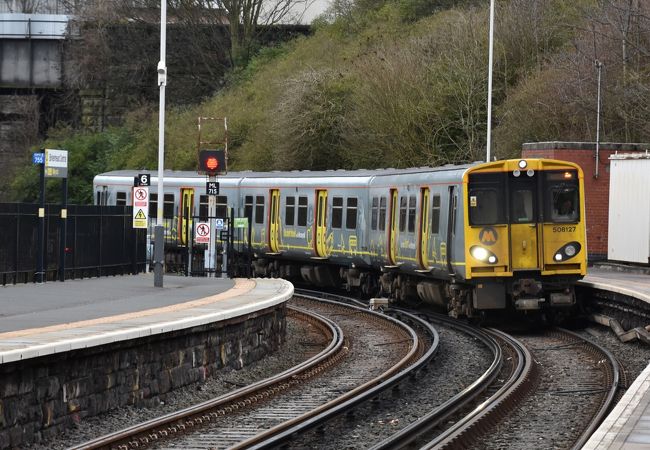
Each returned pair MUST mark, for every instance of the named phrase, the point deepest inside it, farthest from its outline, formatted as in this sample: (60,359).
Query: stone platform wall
(43,396)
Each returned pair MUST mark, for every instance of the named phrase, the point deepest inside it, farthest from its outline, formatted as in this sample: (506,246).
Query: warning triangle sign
(140,215)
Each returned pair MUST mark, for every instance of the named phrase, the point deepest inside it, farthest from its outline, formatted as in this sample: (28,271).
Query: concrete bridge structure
(31,73)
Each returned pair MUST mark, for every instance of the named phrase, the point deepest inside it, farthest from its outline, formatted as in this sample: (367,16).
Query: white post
(489,105)
(159,238)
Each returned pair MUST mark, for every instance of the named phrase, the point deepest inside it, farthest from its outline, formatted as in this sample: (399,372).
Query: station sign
(218,224)
(202,233)
(140,207)
(56,163)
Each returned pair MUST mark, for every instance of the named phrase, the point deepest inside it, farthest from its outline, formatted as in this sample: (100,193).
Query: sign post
(140,207)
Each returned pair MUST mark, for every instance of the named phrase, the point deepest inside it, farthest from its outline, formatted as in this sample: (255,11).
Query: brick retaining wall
(41,397)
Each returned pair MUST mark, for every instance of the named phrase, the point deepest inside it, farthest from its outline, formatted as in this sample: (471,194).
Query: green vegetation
(399,84)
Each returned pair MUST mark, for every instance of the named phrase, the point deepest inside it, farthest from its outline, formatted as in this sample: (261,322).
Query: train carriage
(472,238)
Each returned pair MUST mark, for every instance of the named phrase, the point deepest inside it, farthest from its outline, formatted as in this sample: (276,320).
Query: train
(473,239)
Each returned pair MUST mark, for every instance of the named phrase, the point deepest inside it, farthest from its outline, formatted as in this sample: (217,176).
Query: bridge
(31,53)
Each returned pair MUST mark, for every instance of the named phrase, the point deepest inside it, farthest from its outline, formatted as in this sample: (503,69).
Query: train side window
(204,201)
(486,199)
(454,208)
(351,214)
(402,213)
(120,199)
(302,211)
(168,207)
(562,196)
(337,212)
(153,205)
(222,206)
(290,211)
(259,209)
(412,203)
(374,213)
(435,215)
(382,214)
(248,207)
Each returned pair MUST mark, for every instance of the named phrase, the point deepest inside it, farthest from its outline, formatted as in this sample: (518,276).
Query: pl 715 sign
(212,187)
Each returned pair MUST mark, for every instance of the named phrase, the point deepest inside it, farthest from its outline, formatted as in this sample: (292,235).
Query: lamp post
(489,105)
(159,237)
(599,68)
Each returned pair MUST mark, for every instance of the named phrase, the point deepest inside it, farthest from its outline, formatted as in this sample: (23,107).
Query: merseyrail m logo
(488,236)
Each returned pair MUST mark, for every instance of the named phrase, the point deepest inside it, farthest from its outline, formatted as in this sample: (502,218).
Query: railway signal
(212,162)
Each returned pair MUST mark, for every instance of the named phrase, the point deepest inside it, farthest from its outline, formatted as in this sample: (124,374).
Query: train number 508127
(564,229)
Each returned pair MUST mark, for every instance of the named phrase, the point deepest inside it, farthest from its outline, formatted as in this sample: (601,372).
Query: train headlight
(567,251)
(522,164)
(483,254)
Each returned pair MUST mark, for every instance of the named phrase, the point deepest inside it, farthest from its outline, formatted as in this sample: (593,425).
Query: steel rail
(521,381)
(613,373)
(286,431)
(425,424)
(141,435)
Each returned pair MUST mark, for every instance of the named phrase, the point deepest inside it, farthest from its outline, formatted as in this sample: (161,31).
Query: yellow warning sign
(140,219)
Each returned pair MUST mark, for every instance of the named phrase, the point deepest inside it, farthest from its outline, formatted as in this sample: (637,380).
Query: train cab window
(382,213)
(168,207)
(302,211)
(290,211)
(486,199)
(402,213)
(259,209)
(412,203)
(374,213)
(248,207)
(337,212)
(561,196)
(435,214)
(120,199)
(222,206)
(522,204)
(351,214)
(204,202)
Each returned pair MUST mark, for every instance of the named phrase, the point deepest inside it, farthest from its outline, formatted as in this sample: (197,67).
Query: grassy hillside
(402,84)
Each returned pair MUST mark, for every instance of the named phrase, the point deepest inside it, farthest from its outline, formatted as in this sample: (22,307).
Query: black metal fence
(99,241)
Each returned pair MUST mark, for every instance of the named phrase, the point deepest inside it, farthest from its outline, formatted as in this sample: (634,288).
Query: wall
(41,397)
(596,187)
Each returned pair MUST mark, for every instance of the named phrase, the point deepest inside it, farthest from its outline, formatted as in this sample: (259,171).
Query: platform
(635,285)
(48,318)
(627,427)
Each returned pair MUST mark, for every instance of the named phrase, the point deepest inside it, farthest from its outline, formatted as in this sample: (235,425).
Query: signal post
(211,163)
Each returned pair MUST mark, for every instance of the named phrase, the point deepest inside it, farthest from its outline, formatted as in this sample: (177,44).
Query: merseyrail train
(503,235)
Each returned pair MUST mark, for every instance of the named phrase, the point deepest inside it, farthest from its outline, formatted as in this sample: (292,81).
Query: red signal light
(212,163)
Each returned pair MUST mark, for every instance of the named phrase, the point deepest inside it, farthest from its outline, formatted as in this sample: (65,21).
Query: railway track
(301,397)
(578,385)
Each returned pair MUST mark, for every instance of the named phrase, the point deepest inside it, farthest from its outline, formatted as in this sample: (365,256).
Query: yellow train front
(525,241)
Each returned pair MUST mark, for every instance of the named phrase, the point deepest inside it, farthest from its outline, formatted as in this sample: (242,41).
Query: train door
(523,222)
(274,221)
(321,223)
(185,215)
(424,228)
(392,228)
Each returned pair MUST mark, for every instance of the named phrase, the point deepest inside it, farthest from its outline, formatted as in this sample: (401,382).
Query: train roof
(294,173)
